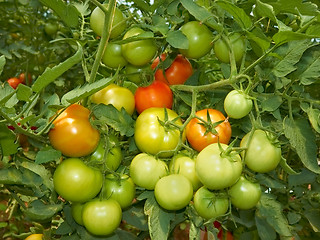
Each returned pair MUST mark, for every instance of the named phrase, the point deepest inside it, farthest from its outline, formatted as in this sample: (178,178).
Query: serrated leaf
(295,7)
(119,120)
(271,103)
(86,90)
(50,74)
(2,63)
(67,12)
(7,141)
(177,40)
(47,154)
(302,139)
(24,93)
(201,14)
(239,15)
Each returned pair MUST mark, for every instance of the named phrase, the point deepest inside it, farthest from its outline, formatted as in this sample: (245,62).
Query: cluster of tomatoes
(15,81)
(208,179)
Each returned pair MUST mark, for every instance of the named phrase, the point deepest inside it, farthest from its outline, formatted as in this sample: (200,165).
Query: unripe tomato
(112,56)
(14,82)
(199,37)
(35,236)
(73,133)
(119,97)
(76,212)
(136,74)
(51,28)
(221,49)
(237,104)
(97,21)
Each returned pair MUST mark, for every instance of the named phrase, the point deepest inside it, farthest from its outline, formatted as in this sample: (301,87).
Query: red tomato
(202,133)
(157,94)
(14,82)
(178,72)
(23,78)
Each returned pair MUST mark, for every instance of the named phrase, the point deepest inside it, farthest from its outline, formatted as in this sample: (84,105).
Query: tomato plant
(73,133)
(214,161)
(155,132)
(101,217)
(173,192)
(157,94)
(146,170)
(112,56)
(177,73)
(237,104)
(222,49)
(262,155)
(209,126)
(119,97)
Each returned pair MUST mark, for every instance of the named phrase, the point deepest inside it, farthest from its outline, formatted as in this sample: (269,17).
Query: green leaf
(177,40)
(304,177)
(239,15)
(302,139)
(119,120)
(6,93)
(271,103)
(135,217)
(258,37)
(2,63)
(201,14)
(295,7)
(7,141)
(287,36)
(265,231)
(68,13)
(286,167)
(39,211)
(313,216)
(86,90)
(50,74)
(24,93)
(47,154)
(265,10)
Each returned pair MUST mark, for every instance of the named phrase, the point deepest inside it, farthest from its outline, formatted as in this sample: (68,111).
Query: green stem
(202,88)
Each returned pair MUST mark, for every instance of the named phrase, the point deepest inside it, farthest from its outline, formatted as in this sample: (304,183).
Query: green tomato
(112,56)
(122,190)
(245,194)
(199,37)
(76,212)
(119,97)
(210,204)
(101,217)
(152,137)
(237,104)
(74,181)
(51,28)
(212,164)
(186,166)
(261,155)
(221,49)
(146,170)
(97,21)
(136,74)
(173,192)
(138,52)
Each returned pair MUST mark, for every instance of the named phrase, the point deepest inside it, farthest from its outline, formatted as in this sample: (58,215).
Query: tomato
(136,74)
(245,194)
(221,49)
(14,82)
(138,52)
(212,163)
(261,155)
(97,22)
(76,182)
(237,104)
(108,152)
(112,56)
(173,192)
(202,133)
(51,28)
(76,212)
(177,73)
(185,165)
(154,134)
(101,217)
(199,37)
(210,204)
(25,79)
(73,133)
(35,236)
(119,97)
(121,189)
(157,94)
(146,170)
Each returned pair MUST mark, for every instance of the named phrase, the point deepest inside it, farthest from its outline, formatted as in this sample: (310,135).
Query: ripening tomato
(35,236)
(73,133)
(14,82)
(237,104)
(112,56)
(157,94)
(222,51)
(202,133)
(25,79)
(177,73)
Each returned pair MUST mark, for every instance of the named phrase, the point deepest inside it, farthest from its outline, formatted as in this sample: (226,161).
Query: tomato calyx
(168,124)
(209,125)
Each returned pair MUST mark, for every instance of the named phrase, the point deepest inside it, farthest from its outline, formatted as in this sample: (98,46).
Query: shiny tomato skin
(122,190)
(237,104)
(146,170)
(157,94)
(76,182)
(199,37)
(112,56)
(221,49)
(245,194)
(152,137)
(173,192)
(73,134)
(209,204)
(195,132)
(261,155)
(177,73)
(101,217)
(35,236)
(119,97)
(14,82)
(215,170)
